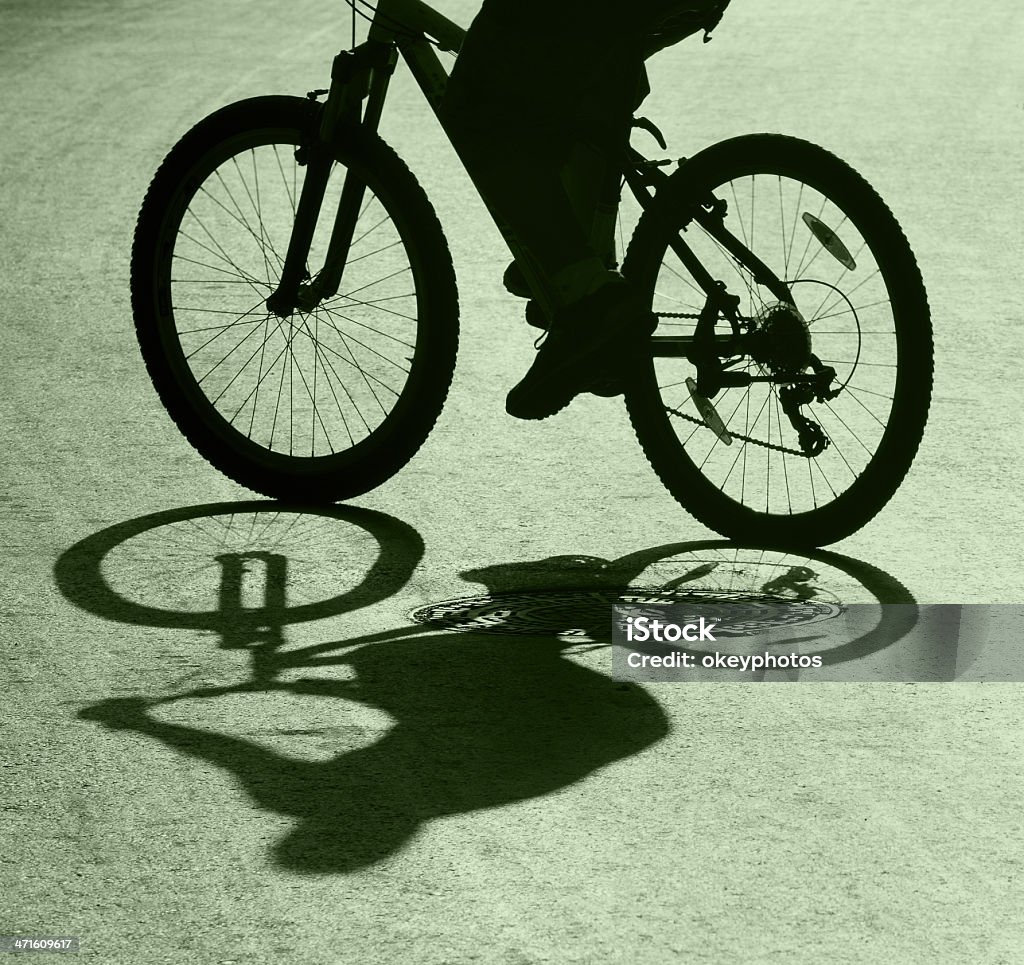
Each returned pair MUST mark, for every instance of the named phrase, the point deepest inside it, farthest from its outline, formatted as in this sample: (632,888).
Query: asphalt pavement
(349,780)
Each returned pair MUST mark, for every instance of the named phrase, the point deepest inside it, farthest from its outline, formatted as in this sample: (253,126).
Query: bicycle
(786,411)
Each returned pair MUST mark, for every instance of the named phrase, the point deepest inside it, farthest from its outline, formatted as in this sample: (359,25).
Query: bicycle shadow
(481,720)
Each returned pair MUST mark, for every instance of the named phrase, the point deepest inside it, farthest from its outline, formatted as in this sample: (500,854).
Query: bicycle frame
(412,29)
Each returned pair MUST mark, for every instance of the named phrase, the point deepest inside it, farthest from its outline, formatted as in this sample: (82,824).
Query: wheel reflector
(829,240)
(708,413)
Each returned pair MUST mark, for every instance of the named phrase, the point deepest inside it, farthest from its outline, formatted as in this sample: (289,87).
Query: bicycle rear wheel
(736,461)
(321,405)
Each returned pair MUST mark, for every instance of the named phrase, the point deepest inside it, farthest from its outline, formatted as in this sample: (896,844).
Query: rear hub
(781,340)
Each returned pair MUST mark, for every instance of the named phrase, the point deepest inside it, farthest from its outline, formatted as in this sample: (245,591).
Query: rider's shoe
(586,349)
(609,385)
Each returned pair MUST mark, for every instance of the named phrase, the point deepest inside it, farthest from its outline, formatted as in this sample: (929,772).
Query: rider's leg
(543,215)
(537,93)
(539,105)
(595,319)
(533,80)
(590,178)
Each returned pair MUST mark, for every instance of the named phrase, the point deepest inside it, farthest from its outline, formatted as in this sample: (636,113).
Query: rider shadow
(480,721)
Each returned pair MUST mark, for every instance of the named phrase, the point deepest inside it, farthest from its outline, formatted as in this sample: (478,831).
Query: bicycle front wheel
(737,461)
(324,404)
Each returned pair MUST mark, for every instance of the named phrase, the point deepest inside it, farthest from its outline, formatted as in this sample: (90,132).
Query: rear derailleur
(780,344)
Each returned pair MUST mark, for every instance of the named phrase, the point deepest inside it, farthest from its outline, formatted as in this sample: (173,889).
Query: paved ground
(435,797)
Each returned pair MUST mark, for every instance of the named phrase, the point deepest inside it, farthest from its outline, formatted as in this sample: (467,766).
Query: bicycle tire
(653,420)
(411,338)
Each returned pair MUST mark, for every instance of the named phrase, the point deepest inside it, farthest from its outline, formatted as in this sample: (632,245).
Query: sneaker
(606,386)
(585,349)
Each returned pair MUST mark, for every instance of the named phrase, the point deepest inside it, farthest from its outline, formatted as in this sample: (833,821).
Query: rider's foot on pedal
(585,349)
(516,285)
(607,386)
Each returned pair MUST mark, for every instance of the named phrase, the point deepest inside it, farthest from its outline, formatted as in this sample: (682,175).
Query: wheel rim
(297,390)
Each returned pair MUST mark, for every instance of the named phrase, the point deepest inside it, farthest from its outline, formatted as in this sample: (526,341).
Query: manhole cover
(589,611)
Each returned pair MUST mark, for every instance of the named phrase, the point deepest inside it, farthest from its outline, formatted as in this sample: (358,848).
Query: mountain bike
(297,310)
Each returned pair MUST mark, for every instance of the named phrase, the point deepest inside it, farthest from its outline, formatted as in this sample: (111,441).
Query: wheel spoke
(310,384)
(847,308)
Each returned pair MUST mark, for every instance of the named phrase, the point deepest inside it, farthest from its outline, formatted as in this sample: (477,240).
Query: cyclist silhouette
(543,145)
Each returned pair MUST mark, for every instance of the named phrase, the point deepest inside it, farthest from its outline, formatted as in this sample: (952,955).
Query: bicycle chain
(740,435)
(735,435)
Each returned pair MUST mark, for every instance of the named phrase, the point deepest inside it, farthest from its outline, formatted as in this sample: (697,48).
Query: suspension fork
(357,75)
